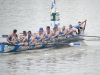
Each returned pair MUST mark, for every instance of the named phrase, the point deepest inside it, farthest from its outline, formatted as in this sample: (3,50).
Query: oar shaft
(89,36)
(4,36)
(71,44)
(84,27)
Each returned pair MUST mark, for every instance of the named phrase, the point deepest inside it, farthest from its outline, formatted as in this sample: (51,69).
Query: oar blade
(75,44)
(4,35)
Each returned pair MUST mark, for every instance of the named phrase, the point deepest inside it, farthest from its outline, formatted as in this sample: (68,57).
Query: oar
(28,39)
(55,43)
(61,43)
(84,27)
(71,44)
(89,36)
(4,36)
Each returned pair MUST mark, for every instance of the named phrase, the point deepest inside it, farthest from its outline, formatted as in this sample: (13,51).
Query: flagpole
(55,4)
(54,14)
(54,11)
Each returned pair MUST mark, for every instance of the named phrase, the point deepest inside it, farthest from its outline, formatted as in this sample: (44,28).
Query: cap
(29,32)
(40,29)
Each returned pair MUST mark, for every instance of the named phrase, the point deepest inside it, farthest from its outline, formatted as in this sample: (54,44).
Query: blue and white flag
(53,6)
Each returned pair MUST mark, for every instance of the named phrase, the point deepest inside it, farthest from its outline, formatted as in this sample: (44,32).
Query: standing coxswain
(79,26)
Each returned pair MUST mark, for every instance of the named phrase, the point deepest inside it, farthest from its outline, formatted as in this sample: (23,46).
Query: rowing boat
(6,47)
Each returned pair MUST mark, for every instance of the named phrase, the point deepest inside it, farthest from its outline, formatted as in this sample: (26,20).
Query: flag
(53,6)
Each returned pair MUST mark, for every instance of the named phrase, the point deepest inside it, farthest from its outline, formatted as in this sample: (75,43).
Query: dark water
(32,14)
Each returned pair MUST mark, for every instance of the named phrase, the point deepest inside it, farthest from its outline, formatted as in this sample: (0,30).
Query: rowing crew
(30,38)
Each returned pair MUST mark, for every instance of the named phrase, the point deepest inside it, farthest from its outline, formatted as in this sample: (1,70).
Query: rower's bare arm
(83,22)
(75,29)
(35,33)
(50,34)
(65,31)
(8,37)
(32,39)
(42,37)
(44,33)
(24,39)
(60,29)
(57,33)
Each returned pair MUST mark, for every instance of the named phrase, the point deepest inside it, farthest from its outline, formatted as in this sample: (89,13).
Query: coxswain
(79,26)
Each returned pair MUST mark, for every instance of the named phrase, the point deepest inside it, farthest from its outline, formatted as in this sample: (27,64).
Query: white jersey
(15,38)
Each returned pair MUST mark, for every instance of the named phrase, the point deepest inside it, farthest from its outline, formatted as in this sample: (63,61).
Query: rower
(24,35)
(62,33)
(29,39)
(62,30)
(9,38)
(71,31)
(48,33)
(55,34)
(40,36)
(23,38)
(16,40)
(79,26)
(57,28)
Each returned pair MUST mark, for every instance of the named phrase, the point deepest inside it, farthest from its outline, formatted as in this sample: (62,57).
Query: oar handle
(4,36)
(89,36)
(84,27)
